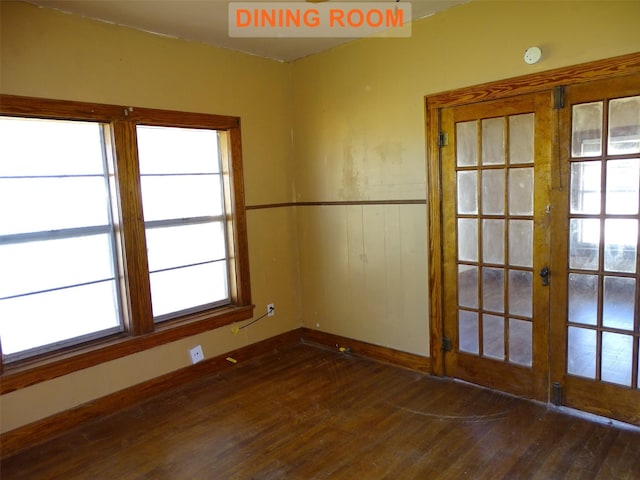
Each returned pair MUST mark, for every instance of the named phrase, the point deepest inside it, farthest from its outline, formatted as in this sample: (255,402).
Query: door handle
(544,273)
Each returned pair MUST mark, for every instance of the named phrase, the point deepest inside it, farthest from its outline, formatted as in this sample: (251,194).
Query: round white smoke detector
(532,55)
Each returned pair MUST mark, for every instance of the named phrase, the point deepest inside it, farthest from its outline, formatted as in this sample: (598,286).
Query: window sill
(24,373)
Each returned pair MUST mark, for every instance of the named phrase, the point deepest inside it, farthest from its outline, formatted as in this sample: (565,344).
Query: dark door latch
(544,273)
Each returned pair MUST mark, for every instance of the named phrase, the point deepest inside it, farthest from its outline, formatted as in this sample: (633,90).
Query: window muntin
(58,284)
(183,209)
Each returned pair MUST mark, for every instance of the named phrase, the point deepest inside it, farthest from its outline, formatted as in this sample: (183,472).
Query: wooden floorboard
(306,412)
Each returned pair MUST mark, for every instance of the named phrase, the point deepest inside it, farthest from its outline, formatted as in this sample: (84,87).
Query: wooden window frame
(141,333)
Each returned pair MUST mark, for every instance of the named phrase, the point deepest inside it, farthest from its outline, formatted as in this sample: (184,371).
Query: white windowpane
(521,293)
(468,239)
(521,243)
(185,288)
(493,336)
(183,196)
(468,286)
(619,302)
(520,342)
(38,320)
(493,141)
(623,182)
(581,353)
(176,246)
(493,241)
(467,143)
(468,192)
(521,128)
(35,147)
(493,192)
(164,150)
(624,126)
(586,135)
(620,244)
(42,204)
(468,332)
(583,298)
(493,289)
(521,191)
(180,180)
(57,273)
(617,358)
(584,241)
(36,266)
(585,187)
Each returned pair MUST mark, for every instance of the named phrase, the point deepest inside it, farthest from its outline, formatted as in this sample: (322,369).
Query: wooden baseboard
(38,432)
(375,352)
(22,438)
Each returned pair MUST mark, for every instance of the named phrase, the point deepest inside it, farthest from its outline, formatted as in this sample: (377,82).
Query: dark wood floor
(307,413)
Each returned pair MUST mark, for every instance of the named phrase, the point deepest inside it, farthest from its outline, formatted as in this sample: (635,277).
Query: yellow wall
(357,117)
(45,53)
(359,135)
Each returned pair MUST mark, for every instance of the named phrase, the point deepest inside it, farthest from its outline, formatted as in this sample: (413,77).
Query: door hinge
(443,139)
(446,344)
(557,394)
(558,97)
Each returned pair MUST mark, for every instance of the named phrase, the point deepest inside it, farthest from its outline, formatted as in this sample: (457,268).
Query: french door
(496,243)
(596,299)
(540,245)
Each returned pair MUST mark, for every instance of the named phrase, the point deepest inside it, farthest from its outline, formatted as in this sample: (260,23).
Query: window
(120,228)
(183,206)
(57,243)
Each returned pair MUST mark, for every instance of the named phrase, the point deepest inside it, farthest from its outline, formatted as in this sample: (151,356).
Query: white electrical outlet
(197,355)
(271,310)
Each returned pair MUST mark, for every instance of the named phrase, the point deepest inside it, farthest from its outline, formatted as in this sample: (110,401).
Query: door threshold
(592,417)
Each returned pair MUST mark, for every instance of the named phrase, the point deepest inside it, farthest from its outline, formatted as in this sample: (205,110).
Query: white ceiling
(206,21)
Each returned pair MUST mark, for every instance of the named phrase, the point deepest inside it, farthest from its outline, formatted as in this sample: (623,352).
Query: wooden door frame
(537,82)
